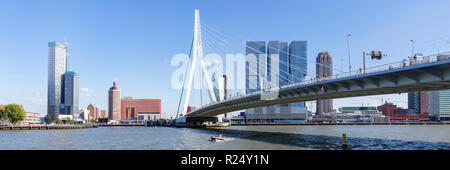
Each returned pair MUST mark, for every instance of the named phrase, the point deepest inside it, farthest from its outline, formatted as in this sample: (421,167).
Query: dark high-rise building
(274,65)
(324,68)
(439,106)
(277,66)
(297,70)
(418,102)
(71,93)
(253,71)
(277,63)
(255,68)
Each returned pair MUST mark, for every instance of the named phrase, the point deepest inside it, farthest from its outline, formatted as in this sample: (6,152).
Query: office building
(31,118)
(276,65)
(277,72)
(56,69)
(140,109)
(71,94)
(297,70)
(92,112)
(418,102)
(255,52)
(324,68)
(439,105)
(114,103)
(84,114)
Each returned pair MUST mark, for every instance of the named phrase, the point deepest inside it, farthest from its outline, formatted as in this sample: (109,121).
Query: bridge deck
(428,74)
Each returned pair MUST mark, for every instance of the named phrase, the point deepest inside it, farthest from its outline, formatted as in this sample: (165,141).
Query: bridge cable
(213,25)
(184,80)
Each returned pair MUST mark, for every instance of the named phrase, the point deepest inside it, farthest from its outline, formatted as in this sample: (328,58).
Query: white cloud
(87,90)
(38,93)
(36,101)
(115,79)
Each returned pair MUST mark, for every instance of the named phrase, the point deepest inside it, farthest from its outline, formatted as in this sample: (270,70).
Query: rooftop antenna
(66,47)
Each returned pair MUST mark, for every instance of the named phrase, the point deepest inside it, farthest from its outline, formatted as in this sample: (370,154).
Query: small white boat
(215,138)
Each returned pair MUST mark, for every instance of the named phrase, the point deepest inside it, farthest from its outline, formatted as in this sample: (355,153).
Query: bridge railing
(384,67)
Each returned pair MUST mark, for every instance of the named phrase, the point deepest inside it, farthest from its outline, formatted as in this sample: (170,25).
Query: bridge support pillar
(205,122)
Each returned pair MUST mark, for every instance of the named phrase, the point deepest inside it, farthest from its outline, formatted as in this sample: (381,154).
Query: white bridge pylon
(198,55)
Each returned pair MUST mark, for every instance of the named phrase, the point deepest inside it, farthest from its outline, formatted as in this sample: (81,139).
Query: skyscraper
(439,105)
(418,102)
(277,66)
(254,73)
(297,70)
(114,102)
(56,69)
(324,68)
(71,94)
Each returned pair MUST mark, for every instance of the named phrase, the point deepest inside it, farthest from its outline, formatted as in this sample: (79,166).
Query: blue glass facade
(277,60)
(252,68)
(297,69)
(282,64)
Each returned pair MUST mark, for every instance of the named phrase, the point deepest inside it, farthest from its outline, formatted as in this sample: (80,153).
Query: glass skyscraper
(297,70)
(255,52)
(56,69)
(439,105)
(418,102)
(253,71)
(71,94)
(276,65)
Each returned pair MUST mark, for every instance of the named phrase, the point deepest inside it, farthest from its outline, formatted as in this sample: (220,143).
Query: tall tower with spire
(114,103)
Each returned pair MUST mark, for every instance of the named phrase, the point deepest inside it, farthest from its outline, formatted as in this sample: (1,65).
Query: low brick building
(140,109)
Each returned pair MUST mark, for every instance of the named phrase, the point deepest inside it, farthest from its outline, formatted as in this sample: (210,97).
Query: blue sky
(133,41)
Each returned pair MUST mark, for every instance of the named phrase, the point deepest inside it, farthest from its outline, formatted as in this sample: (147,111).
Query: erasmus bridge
(424,74)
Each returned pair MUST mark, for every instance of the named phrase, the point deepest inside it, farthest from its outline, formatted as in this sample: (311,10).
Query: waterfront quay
(45,127)
(158,122)
(355,123)
(171,123)
(163,123)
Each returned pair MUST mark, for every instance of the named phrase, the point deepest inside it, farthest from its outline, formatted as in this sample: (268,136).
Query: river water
(359,137)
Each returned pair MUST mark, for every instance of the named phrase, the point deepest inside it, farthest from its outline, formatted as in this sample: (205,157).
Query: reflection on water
(238,137)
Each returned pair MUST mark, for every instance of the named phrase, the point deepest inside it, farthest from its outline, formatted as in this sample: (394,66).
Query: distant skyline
(132,42)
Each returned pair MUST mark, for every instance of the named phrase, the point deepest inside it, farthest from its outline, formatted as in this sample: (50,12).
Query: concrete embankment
(44,127)
(114,125)
(310,124)
(167,123)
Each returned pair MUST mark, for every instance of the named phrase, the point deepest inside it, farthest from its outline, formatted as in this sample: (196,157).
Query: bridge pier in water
(196,122)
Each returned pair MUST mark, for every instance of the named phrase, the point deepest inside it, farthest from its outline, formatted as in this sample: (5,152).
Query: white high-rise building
(56,69)
(439,104)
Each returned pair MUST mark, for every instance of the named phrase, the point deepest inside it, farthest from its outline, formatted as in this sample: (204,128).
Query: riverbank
(169,124)
(360,123)
(44,127)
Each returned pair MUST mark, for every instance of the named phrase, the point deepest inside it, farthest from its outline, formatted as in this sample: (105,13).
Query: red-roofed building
(394,113)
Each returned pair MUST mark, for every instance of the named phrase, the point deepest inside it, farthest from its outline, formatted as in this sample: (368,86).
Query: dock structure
(44,127)
(327,124)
